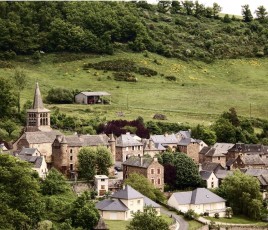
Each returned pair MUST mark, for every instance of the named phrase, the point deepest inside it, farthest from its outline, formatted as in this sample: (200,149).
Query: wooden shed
(92,98)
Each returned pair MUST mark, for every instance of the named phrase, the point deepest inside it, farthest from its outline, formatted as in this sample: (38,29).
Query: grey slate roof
(184,134)
(211,166)
(165,139)
(205,174)
(40,136)
(111,205)
(221,174)
(28,151)
(142,162)
(126,140)
(204,150)
(127,193)
(252,160)
(256,172)
(213,152)
(230,162)
(149,202)
(186,141)
(223,147)
(35,160)
(197,196)
(87,140)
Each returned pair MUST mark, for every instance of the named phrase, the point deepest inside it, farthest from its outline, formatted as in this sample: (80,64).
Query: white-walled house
(210,178)
(124,203)
(201,200)
(101,184)
(33,156)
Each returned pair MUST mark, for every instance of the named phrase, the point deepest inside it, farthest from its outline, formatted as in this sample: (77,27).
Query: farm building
(92,98)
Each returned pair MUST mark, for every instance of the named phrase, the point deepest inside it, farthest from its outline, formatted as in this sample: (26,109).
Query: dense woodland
(185,30)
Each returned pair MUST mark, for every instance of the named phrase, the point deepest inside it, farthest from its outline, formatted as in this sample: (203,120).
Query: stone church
(59,150)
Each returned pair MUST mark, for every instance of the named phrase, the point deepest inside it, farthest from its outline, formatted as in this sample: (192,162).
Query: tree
(147,220)
(21,204)
(187,175)
(7,98)
(87,163)
(261,13)
(216,9)
(103,160)
(54,183)
(9,126)
(246,13)
(242,193)
(60,96)
(225,131)
(175,7)
(20,83)
(188,7)
(232,117)
(84,213)
(205,134)
(94,160)
(163,6)
(144,186)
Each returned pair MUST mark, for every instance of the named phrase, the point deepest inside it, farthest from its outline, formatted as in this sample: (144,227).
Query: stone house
(66,149)
(125,146)
(247,161)
(201,200)
(148,167)
(150,148)
(211,154)
(190,147)
(168,141)
(124,203)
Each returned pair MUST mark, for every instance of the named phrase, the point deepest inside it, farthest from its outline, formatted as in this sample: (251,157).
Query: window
(71,167)
(212,184)
(133,147)
(159,181)
(102,179)
(126,148)
(158,171)
(102,186)
(219,158)
(71,158)
(71,151)
(152,171)
(138,201)
(152,180)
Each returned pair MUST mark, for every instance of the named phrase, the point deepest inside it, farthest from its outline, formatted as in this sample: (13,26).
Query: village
(45,148)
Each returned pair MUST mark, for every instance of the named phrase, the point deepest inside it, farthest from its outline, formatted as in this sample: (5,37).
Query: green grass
(201,92)
(237,220)
(121,224)
(194,225)
(117,224)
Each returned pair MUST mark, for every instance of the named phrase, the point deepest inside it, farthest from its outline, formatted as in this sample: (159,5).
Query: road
(183,224)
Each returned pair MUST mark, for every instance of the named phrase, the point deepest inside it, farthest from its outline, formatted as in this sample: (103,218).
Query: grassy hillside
(201,92)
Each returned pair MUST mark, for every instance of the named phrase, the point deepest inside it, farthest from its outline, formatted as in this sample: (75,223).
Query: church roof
(38,105)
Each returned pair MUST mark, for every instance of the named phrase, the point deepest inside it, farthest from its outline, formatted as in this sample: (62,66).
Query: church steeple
(38,117)
(37,103)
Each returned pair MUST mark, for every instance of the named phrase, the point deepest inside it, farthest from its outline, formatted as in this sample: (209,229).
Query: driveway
(183,223)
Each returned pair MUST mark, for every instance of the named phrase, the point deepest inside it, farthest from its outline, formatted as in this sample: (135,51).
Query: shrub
(159,116)
(217,215)
(124,76)
(147,72)
(60,96)
(4,64)
(190,214)
(171,78)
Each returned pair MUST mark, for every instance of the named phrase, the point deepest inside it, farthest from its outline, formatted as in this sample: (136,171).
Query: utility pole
(127,101)
(250,110)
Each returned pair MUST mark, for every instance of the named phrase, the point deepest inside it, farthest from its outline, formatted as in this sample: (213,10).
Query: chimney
(141,160)
(155,159)
(150,143)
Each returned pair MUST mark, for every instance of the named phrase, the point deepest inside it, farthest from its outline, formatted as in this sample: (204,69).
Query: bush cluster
(124,76)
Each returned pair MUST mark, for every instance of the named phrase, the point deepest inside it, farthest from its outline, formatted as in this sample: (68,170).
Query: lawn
(121,225)
(237,220)
(194,225)
(200,93)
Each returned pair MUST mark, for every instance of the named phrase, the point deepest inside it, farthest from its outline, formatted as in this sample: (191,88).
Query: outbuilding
(92,98)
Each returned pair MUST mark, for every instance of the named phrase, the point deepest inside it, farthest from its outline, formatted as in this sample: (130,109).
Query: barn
(92,98)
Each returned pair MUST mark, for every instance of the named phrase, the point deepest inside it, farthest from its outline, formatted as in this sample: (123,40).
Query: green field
(202,91)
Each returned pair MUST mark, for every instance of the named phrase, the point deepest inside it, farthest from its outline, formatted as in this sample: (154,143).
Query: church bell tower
(38,117)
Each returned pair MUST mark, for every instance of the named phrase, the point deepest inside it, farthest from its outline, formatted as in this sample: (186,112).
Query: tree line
(181,29)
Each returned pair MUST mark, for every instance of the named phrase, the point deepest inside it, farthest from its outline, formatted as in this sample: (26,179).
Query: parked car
(118,168)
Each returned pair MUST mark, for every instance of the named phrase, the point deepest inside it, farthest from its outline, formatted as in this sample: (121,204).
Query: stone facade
(148,167)
(191,150)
